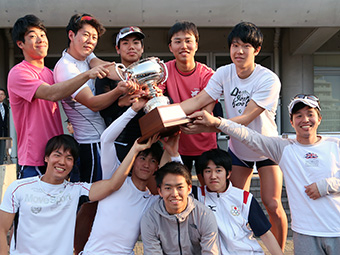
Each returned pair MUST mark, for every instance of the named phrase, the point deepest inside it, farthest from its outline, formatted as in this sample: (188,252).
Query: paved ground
(289,250)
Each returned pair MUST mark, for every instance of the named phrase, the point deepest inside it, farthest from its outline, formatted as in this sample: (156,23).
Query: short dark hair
(175,168)
(67,142)
(298,106)
(1,89)
(77,21)
(185,26)
(22,25)
(155,150)
(248,33)
(218,156)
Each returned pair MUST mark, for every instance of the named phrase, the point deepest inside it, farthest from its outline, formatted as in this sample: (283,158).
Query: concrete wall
(296,76)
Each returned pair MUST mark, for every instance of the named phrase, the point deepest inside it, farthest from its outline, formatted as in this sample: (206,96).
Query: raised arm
(102,189)
(271,147)
(64,89)
(196,103)
(6,221)
(170,146)
(110,160)
(250,113)
(112,75)
(99,102)
(203,121)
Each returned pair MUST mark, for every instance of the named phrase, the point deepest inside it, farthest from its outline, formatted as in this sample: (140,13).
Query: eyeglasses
(85,17)
(125,30)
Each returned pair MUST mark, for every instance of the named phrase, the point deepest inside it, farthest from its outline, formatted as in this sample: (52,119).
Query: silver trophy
(150,72)
(160,117)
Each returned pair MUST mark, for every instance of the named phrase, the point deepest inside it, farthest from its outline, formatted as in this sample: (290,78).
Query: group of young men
(104,115)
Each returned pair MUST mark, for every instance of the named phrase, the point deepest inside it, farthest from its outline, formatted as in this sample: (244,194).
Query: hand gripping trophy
(160,116)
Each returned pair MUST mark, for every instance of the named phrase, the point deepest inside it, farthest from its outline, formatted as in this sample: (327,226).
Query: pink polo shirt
(35,120)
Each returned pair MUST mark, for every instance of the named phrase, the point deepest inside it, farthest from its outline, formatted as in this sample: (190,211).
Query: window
(327,88)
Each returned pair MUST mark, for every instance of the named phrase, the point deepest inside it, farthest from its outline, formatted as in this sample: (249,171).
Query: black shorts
(250,164)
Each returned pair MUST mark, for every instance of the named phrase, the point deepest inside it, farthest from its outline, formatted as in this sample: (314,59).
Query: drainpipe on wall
(277,71)
(12,133)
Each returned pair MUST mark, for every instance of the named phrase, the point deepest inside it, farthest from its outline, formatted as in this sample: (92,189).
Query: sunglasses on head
(128,29)
(84,17)
(304,96)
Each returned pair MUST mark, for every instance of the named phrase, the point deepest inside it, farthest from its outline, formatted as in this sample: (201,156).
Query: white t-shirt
(302,165)
(47,215)
(87,124)
(262,86)
(116,226)
(117,223)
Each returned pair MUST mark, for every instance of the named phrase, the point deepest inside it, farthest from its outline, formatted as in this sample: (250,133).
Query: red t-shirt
(181,86)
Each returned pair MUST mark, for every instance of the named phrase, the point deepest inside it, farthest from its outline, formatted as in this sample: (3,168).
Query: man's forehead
(182,35)
(238,40)
(147,155)
(88,28)
(34,30)
(61,150)
(173,180)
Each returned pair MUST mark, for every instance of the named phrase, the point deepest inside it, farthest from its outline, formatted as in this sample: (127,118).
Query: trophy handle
(122,67)
(165,71)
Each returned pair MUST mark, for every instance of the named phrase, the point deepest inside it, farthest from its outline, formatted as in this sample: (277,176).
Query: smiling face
(174,190)
(243,55)
(130,49)
(59,165)
(215,177)
(83,43)
(35,46)
(184,46)
(144,167)
(306,122)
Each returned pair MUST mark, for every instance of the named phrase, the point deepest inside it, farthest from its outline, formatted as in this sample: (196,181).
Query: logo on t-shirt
(212,207)
(311,160)
(241,98)
(194,92)
(35,209)
(235,211)
(311,155)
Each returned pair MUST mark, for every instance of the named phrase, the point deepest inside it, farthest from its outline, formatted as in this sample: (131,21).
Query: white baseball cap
(310,100)
(125,31)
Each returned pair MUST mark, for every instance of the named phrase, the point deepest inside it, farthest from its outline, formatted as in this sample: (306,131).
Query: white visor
(306,101)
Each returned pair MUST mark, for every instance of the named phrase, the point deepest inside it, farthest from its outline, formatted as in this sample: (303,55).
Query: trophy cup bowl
(150,72)
(160,115)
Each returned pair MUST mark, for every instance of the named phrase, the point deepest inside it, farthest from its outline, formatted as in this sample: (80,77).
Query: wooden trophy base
(163,119)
